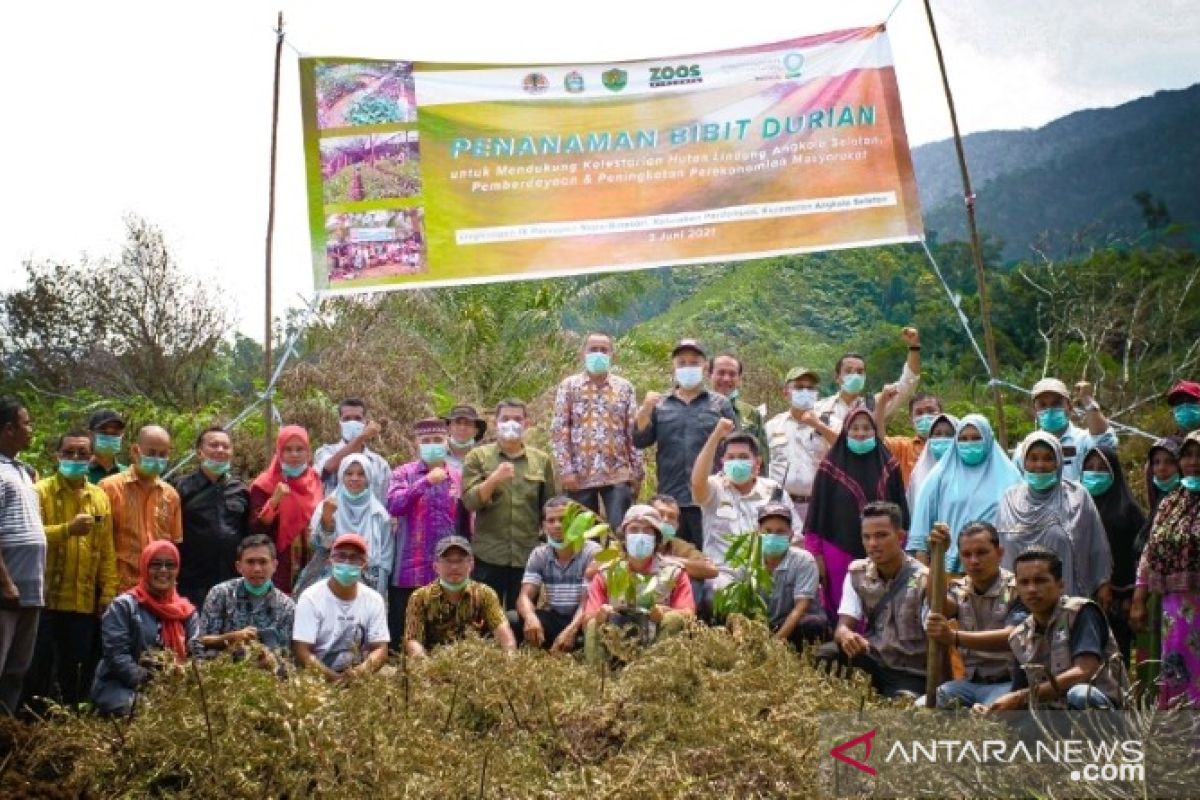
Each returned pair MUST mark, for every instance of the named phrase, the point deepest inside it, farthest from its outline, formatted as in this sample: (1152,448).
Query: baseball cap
(1050,386)
(450,542)
(1184,392)
(351,540)
(102,417)
(775,510)
(796,373)
(688,344)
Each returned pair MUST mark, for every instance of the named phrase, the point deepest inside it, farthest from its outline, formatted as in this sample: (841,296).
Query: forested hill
(1071,182)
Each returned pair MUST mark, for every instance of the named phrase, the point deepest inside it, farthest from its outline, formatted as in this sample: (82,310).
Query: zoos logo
(684,73)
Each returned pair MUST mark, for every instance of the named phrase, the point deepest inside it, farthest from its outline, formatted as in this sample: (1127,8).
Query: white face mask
(804,399)
(509,429)
(689,377)
(351,428)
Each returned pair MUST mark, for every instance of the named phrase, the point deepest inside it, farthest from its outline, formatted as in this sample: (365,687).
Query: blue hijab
(958,494)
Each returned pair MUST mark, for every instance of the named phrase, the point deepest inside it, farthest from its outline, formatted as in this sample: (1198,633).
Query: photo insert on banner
(377,166)
(375,244)
(365,93)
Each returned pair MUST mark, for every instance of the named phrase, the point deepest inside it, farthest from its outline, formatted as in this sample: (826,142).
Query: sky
(163,109)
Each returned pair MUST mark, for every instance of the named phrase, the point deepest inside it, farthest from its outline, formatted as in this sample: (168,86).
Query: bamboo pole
(937,605)
(985,308)
(268,405)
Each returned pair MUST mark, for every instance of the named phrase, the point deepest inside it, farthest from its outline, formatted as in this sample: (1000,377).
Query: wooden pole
(937,605)
(267,407)
(985,308)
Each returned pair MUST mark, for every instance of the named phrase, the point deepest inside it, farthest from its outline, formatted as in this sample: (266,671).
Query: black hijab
(846,482)
(1123,518)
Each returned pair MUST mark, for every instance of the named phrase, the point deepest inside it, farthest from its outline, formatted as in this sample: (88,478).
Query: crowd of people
(1060,582)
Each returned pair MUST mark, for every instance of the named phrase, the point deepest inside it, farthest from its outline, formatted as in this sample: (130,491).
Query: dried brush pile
(708,714)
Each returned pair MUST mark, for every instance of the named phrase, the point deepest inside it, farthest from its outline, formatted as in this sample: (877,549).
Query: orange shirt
(140,516)
(906,449)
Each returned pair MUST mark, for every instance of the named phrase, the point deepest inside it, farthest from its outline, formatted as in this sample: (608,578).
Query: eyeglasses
(346,558)
(162,566)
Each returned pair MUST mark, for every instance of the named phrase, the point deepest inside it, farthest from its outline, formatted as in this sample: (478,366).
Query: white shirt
(339,630)
(837,408)
(796,451)
(852,605)
(728,512)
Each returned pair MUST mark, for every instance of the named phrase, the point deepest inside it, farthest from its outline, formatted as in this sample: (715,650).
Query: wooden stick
(985,307)
(269,418)
(937,605)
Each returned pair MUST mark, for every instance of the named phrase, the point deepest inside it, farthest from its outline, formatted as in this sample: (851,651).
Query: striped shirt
(565,585)
(22,539)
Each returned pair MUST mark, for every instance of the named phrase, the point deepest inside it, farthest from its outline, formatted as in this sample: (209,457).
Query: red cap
(351,540)
(1184,392)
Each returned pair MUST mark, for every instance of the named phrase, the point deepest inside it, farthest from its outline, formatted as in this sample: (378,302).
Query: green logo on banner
(614,79)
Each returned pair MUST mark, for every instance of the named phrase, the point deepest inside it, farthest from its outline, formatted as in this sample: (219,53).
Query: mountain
(1071,182)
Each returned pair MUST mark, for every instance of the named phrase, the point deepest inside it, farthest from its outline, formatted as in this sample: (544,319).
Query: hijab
(846,482)
(296,509)
(957,493)
(1154,496)
(1122,517)
(356,517)
(1064,519)
(172,609)
(926,461)
(1172,556)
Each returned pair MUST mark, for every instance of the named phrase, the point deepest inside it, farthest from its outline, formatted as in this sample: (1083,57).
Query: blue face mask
(923,424)
(293,472)
(355,498)
(1053,420)
(597,363)
(1187,415)
(556,544)
(454,586)
(1168,485)
(346,574)
(804,399)
(1041,481)
(1191,483)
(217,468)
(1097,483)
(972,453)
(107,444)
(257,591)
(639,545)
(854,383)
(152,465)
(668,531)
(72,470)
(351,428)
(737,470)
(433,453)
(689,377)
(860,447)
(939,446)
(775,544)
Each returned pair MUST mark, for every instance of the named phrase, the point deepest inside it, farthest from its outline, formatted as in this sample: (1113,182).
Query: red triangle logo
(865,740)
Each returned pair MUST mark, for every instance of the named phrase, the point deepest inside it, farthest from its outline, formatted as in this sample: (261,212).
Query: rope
(994,381)
(892,13)
(289,350)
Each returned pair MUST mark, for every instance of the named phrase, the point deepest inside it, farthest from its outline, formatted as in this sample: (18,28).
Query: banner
(423,174)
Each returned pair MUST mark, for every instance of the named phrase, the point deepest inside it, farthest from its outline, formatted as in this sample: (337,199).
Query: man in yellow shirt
(81,573)
(144,507)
